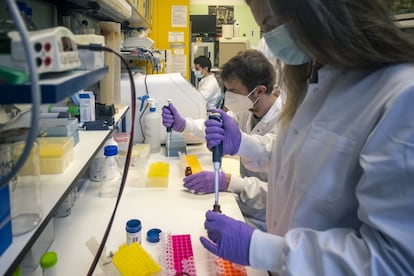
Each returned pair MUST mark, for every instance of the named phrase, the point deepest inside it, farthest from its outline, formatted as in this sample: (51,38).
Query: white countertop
(172,209)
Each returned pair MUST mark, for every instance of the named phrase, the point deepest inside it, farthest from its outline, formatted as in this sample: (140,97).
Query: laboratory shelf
(53,89)
(54,189)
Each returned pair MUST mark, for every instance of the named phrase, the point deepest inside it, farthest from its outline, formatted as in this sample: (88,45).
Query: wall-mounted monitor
(203,24)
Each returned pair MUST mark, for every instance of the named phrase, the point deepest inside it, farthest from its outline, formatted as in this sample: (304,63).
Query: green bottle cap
(18,271)
(48,260)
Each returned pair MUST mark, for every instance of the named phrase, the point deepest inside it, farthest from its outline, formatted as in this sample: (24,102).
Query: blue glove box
(5,220)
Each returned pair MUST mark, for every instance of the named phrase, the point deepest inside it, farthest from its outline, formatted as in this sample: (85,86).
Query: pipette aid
(217,157)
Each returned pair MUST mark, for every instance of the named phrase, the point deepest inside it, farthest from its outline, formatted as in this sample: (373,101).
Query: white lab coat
(210,90)
(251,187)
(341,188)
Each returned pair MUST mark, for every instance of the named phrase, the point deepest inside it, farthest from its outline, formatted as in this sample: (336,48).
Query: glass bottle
(110,172)
(95,171)
(25,194)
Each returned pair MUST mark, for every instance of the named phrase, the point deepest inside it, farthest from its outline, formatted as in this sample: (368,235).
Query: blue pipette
(217,157)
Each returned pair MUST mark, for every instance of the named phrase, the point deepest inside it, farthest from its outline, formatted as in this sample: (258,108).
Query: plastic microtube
(133,231)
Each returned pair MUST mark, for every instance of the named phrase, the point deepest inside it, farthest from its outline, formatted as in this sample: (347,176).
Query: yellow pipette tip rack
(158,174)
(193,163)
(190,161)
(133,260)
(159,169)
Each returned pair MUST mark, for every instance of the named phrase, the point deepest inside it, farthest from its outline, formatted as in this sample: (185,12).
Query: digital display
(67,44)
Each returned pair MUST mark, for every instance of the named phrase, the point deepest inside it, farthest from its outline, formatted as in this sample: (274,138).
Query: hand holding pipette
(169,130)
(226,132)
(217,157)
(172,119)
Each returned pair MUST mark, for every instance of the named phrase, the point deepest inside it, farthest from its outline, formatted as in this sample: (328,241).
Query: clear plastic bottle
(48,263)
(152,127)
(111,172)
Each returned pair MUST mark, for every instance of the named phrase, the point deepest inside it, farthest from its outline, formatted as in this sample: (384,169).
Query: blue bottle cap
(110,150)
(153,235)
(133,226)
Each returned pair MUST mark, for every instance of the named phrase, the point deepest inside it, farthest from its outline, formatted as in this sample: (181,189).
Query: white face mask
(198,74)
(237,103)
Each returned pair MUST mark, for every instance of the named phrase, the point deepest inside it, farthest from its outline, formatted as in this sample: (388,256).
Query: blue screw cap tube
(133,231)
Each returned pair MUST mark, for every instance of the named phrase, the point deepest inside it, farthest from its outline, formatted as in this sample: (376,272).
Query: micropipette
(217,156)
(169,131)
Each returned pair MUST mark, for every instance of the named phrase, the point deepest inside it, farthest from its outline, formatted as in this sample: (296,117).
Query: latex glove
(171,118)
(231,238)
(203,182)
(229,133)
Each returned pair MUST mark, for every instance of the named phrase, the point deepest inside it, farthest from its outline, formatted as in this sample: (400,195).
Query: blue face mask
(284,47)
(198,74)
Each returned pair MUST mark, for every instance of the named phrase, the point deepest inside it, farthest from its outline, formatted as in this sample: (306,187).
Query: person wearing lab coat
(340,189)
(207,85)
(254,106)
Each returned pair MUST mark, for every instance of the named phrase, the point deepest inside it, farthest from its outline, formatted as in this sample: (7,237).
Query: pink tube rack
(179,257)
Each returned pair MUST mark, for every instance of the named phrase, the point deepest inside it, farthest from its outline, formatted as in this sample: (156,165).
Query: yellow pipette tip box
(158,174)
(133,260)
(194,164)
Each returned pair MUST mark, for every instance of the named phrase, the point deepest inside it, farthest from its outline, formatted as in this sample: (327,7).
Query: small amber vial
(188,171)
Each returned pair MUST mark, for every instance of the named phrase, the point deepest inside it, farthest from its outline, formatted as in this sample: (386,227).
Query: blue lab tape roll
(153,235)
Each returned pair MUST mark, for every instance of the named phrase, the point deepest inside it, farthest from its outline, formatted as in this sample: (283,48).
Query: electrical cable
(146,106)
(94,47)
(35,93)
(140,122)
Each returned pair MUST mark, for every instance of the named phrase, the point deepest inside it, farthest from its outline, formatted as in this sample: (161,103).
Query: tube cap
(110,150)
(48,260)
(153,235)
(133,226)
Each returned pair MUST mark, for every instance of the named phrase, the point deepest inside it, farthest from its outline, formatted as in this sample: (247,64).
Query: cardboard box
(86,106)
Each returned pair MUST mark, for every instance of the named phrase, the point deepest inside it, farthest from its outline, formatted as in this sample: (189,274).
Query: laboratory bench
(172,209)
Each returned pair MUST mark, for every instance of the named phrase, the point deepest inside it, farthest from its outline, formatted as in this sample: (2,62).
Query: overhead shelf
(52,89)
(104,10)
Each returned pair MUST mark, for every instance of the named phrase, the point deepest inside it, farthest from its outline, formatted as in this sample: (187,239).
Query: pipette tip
(216,208)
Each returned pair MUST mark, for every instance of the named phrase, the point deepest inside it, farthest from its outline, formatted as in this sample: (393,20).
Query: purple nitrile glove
(203,182)
(230,238)
(171,118)
(229,133)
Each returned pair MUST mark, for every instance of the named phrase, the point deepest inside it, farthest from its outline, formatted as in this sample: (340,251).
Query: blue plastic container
(5,221)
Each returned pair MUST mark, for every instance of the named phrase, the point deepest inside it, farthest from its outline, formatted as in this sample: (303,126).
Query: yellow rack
(133,260)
